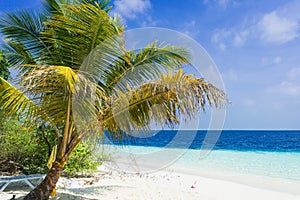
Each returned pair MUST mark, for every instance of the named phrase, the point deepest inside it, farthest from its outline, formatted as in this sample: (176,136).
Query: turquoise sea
(264,154)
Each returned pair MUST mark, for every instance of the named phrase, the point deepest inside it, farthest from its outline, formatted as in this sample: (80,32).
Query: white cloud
(190,28)
(240,38)
(220,35)
(149,22)
(289,86)
(294,74)
(277,60)
(131,8)
(223,3)
(225,37)
(277,29)
(271,61)
(285,88)
(222,46)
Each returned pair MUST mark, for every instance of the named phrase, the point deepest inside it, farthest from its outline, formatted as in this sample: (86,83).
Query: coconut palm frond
(147,64)
(99,61)
(17,55)
(162,101)
(14,101)
(54,6)
(52,87)
(51,6)
(24,27)
(103,4)
(77,32)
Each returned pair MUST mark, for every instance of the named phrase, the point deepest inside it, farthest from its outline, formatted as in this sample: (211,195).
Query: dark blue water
(276,141)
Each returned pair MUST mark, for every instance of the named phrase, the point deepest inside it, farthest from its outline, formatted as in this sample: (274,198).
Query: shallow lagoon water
(273,154)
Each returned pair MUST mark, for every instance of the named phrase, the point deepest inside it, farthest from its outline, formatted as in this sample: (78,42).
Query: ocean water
(274,154)
(239,140)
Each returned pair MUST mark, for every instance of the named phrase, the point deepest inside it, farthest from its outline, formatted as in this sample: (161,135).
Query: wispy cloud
(265,61)
(222,46)
(294,74)
(279,26)
(288,87)
(190,28)
(130,9)
(277,29)
(240,38)
(233,37)
(222,3)
(219,37)
(149,22)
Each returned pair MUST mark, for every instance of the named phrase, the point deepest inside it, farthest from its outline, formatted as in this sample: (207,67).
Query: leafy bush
(29,148)
(19,144)
(83,161)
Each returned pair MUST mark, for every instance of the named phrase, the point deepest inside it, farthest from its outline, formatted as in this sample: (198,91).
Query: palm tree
(75,77)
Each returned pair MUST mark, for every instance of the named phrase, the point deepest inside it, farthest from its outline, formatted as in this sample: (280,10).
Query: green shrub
(20,144)
(30,147)
(83,161)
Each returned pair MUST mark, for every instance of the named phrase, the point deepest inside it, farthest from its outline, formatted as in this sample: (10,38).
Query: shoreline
(255,181)
(170,183)
(260,170)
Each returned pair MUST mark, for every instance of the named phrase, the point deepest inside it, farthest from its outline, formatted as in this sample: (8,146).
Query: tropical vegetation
(26,150)
(76,76)
(4,72)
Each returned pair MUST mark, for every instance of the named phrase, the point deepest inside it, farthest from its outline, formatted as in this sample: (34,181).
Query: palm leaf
(77,32)
(149,63)
(17,55)
(51,87)
(163,101)
(24,28)
(54,6)
(14,101)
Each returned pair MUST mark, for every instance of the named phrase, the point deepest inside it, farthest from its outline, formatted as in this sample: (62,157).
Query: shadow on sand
(87,193)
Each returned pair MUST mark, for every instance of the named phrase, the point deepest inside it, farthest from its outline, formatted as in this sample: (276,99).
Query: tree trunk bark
(45,188)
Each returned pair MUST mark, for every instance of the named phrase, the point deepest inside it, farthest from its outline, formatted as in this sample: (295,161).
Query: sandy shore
(165,184)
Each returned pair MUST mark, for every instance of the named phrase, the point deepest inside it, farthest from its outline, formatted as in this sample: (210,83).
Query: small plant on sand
(83,161)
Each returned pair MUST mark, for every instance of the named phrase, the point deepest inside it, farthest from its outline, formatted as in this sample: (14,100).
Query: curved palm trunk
(45,188)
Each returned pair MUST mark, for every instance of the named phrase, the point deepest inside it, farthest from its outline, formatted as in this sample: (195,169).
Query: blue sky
(255,45)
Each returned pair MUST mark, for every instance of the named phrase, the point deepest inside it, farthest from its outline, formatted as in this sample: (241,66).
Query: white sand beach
(165,184)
